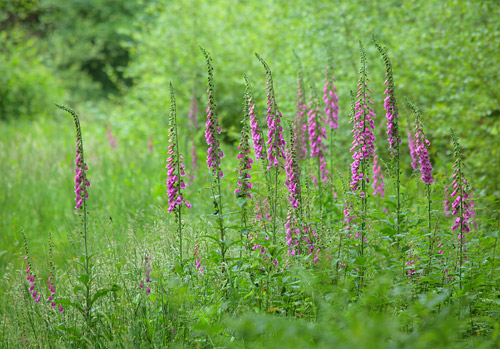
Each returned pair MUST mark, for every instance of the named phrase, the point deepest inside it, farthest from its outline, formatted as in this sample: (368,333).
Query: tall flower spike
(147,273)
(330,97)
(422,147)
(300,120)
(446,202)
(244,156)
(275,142)
(81,182)
(175,167)
(363,144)
(30,275)
(378,178)
(197,258)
(461,205)
(413,151)
(292,183)
(213,129)
(193,126)
(292,170)
(257,136)
(391,109)
(317,133)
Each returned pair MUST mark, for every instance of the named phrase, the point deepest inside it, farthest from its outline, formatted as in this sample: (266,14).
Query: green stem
(180,234)
(178,173)
(221,223)
(461,240)
(320,194)
(429,200)
(275,200)
(398,208)
(331,174)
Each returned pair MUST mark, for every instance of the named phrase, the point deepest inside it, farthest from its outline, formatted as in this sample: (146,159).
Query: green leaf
(99,294)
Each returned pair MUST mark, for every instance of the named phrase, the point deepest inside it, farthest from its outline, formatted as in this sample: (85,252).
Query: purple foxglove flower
(175,167)
(363,143)
(111,139)
(257,136)
(300,120)
(197,258)
(275,142)
(317,133)
(378,178)
(330,97)
(292,170)
(213,130)
(413,152)
(461,204)
(246,161)
(193,126)
(81,181)
(390,105)
(422,147)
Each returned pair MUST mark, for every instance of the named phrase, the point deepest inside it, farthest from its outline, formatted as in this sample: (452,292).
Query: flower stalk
(81,190)
(175,172)
(214,155)
(393,137)
(275,141)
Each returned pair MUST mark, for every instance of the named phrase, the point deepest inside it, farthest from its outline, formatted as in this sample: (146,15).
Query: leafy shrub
(28,88)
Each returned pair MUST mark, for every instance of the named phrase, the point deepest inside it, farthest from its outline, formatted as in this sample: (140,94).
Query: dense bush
(28,88)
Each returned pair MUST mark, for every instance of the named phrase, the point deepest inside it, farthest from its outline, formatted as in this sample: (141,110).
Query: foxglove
(175,167)
(363,143)
(213,129)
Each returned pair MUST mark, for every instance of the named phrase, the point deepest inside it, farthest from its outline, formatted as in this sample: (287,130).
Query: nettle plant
(286,218)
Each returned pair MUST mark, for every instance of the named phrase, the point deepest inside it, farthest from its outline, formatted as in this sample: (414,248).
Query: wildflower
(378,178)
(111,139)
(292,170)
(446,202)
(413,152)
(292,233)
(390,105)
(439,246)
(213,129)
(348,215)
(330,97)
(81,181)
(246,161)
(300,120)
(422,147)
(275,142)
(147,273)
(198,258)
(193,126)
(258,140)
(175,167)
(425,165)
(317,132)
(461,205)
(363,143)
(262,210)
